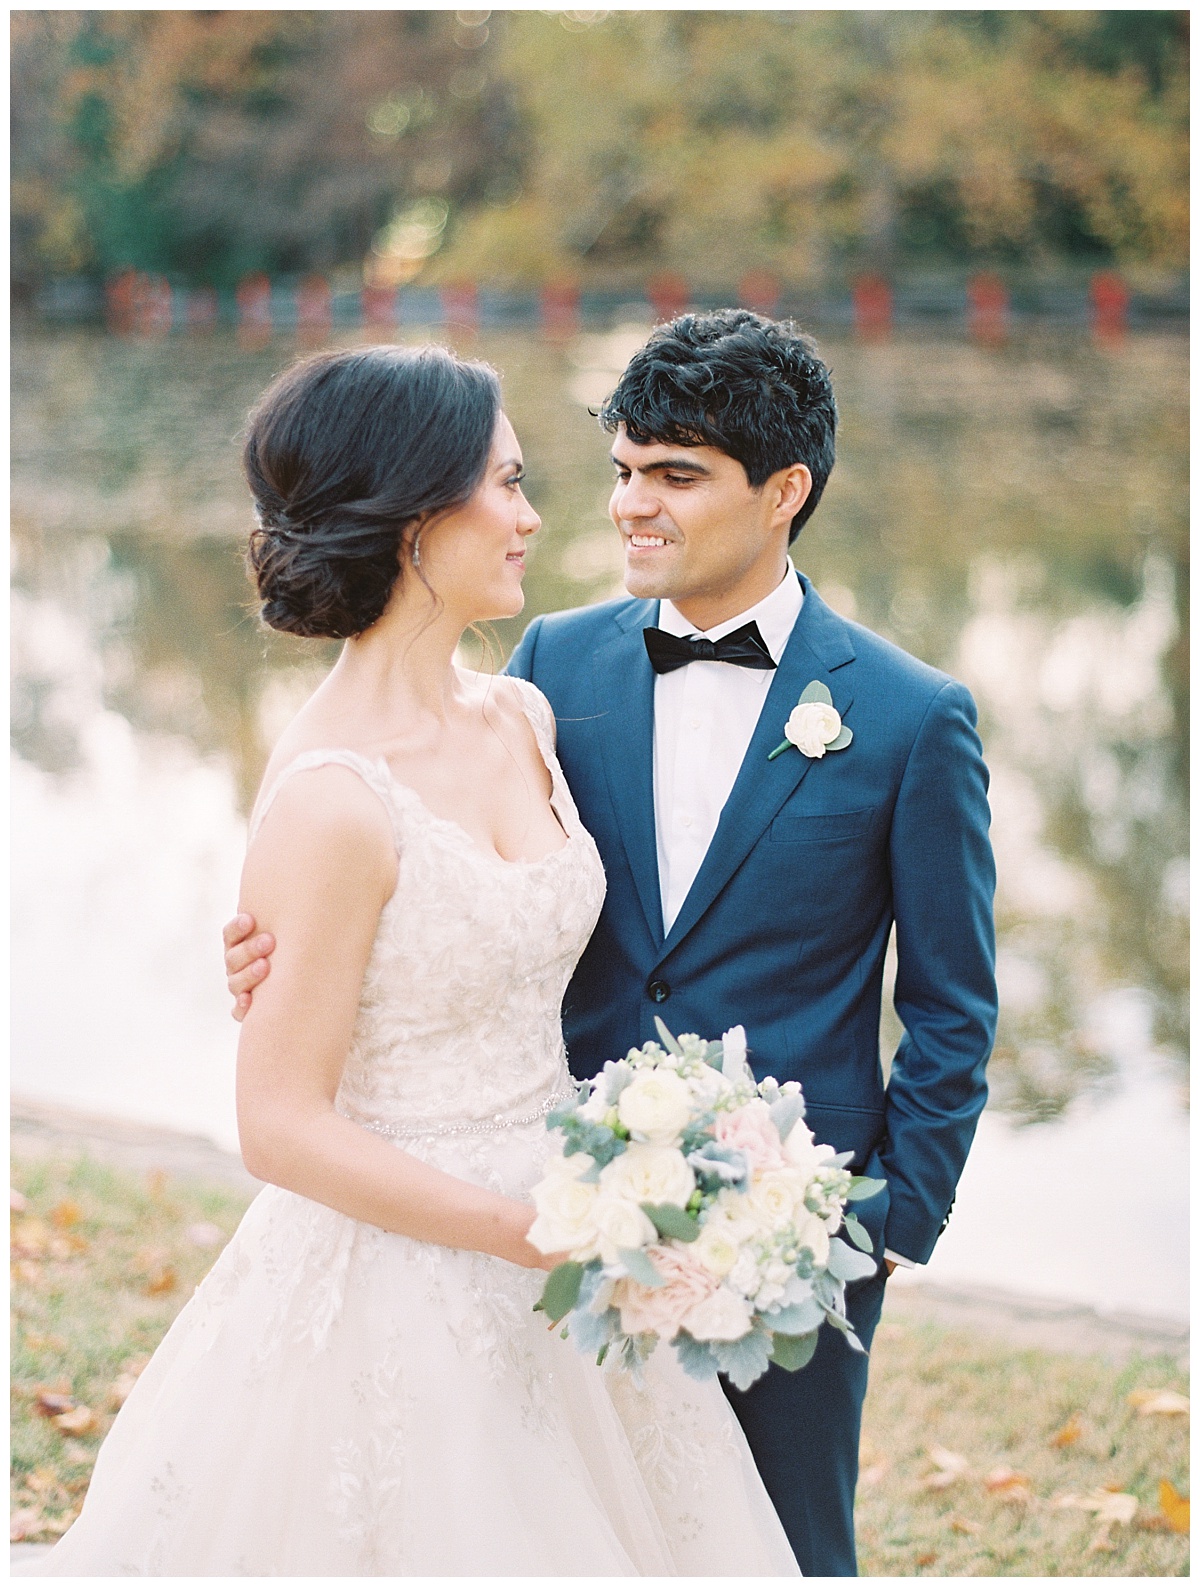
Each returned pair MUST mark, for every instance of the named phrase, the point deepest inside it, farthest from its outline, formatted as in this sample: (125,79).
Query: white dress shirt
(705,714)
(704,718)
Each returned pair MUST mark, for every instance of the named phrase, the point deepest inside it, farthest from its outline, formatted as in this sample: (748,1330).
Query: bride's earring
(416,551)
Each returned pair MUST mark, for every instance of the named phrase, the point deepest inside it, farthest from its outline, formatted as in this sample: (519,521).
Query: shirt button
(659,991)
(685,821)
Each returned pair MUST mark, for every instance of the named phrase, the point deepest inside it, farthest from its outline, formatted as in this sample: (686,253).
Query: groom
(746,888)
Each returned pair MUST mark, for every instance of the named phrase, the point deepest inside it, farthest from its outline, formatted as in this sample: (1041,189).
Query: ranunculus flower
(811,727)
(564,1207)
(620,1225)
(655,1106)
(721,1315)
(661,1311)
(649,1173)
(750,1130)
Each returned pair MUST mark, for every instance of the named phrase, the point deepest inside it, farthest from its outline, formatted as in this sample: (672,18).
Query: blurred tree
(530,145)
(208,144)
(714,141)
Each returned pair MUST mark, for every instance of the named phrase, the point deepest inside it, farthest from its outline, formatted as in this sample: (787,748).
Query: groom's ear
(788,489)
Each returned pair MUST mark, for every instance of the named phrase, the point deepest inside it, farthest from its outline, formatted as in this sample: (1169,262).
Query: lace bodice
(459,1019)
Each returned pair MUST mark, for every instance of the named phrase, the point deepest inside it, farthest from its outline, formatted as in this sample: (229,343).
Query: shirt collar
(775,615)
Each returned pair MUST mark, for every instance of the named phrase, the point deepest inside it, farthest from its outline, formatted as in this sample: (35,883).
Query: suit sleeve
(520,663)
(943,883)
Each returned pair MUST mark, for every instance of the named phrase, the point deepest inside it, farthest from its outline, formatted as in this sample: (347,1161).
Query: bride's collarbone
(497,800)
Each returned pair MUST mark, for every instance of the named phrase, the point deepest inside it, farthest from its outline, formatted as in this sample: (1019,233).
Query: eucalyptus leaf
(844,739)
(799,1319)
(590,1175)
(861,1187)
(858,1234)
(743,1360)
(843,1158)
(816,694)
(792,1352)
(848,1264)
(561,1291)
(666,1038)
(671,1221)
(591,1333)
(640,1268)
(785,1113)
(695,1357)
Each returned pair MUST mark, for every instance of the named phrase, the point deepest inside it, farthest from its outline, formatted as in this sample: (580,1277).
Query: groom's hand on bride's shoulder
(247,960)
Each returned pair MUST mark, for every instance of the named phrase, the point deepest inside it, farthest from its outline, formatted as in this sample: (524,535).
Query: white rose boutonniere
(814,727)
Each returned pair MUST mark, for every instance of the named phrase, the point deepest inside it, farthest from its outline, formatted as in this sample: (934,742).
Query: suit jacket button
(659,991)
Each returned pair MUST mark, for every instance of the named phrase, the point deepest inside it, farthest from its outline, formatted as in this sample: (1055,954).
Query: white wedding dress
(339,1401)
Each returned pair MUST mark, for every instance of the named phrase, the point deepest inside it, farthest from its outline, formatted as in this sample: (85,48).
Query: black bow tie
(744,648)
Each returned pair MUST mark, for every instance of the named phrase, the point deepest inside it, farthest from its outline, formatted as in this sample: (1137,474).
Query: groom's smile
(695,531)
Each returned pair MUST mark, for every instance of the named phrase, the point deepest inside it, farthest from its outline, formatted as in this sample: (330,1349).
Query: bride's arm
(317,875)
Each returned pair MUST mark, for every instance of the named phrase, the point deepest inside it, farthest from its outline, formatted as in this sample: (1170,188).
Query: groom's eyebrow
(672,465)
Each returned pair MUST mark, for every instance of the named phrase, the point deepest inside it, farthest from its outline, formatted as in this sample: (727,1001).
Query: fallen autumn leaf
(1160,1402)
(1175,1508)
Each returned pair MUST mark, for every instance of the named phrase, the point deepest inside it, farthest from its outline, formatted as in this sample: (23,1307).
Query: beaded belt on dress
(470,1127)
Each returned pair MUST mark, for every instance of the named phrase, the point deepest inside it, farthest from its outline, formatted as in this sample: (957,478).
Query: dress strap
(541,717)
(373,772)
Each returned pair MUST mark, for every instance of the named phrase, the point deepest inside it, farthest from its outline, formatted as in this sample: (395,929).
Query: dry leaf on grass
(926,1559)
(66,1214)
(205,1235)
(120,1390)
(1177,1511)
(43,1481)
(35,1341)
(1012,1486)
(161,1281)
(82,1419)
(1160,1402)
(1110,1507)
(156,1181)
(967,1528)
(951,1468)
(1069,1433)
(52,1402)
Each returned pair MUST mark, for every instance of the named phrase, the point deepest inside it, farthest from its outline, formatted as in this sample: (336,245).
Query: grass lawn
(977,1458)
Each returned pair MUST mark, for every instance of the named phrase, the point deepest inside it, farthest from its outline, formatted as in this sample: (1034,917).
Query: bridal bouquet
(692,1204)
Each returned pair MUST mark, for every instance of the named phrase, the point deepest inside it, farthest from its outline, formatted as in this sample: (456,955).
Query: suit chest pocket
(841,826)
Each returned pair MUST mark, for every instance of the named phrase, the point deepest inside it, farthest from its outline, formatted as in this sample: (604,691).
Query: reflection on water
(1016,516)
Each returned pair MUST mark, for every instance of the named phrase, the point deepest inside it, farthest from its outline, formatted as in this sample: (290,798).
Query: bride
(360,1386)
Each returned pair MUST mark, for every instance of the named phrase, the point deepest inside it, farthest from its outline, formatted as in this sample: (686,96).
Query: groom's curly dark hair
(752,387)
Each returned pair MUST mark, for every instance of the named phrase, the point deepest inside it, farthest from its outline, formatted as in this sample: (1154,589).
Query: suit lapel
(624,685)
(819,648)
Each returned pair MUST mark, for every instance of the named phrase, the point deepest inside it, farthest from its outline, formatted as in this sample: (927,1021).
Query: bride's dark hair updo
(346,450)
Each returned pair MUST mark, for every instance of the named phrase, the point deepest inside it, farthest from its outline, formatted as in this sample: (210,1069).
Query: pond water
(1016,515)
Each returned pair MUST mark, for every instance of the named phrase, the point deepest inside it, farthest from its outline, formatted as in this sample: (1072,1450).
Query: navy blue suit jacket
(787,923)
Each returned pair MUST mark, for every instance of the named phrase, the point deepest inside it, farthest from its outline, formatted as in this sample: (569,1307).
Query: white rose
(649,1173)
(717,1246)
(595,1107)
(772,1198)
(811,727)
(564,1208)
(655,1106)
(802,1151)
(722,1315)
(620,1225)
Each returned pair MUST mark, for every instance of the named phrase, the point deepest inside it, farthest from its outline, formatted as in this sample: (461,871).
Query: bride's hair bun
(344,451)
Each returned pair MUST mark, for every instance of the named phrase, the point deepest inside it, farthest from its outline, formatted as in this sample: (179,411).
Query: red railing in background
(987,308)
(871,296)
(1110,306)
